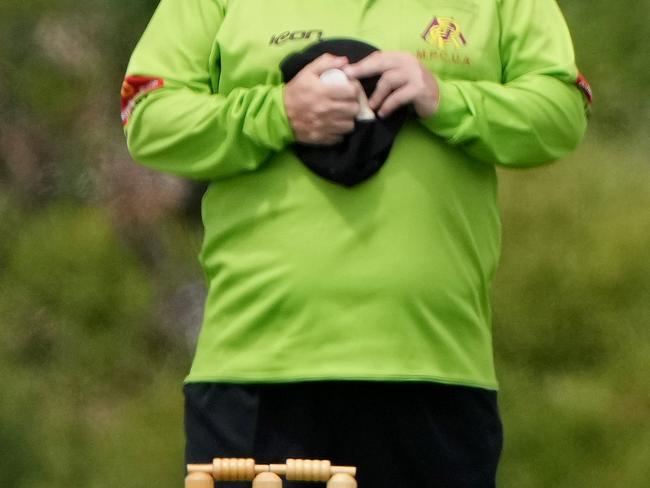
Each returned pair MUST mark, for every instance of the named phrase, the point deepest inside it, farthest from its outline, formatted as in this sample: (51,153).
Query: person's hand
(321,113)
(403,80)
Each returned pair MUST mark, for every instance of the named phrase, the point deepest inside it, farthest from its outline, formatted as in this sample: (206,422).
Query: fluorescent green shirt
(390,279)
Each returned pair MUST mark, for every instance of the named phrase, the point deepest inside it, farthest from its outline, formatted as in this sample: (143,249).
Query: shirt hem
(411,378)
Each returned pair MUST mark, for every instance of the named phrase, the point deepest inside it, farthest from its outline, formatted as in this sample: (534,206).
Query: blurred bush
(100,291)
(571,321)
(81,356)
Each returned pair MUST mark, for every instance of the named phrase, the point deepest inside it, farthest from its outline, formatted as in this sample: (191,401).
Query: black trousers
(399,435)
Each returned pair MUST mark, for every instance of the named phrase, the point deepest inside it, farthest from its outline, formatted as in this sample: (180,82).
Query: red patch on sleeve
(132,88)
(585,87)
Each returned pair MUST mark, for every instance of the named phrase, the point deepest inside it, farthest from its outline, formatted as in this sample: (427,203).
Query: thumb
(324,62)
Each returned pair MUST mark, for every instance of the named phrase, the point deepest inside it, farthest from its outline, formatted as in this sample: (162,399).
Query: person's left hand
(403,80)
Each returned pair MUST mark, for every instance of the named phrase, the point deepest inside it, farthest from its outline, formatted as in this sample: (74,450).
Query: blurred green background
(100,291)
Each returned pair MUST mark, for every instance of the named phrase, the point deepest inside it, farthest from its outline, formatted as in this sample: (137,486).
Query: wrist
(430,100)
(286,108)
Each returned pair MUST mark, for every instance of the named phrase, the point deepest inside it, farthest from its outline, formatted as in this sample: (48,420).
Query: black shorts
(399,435)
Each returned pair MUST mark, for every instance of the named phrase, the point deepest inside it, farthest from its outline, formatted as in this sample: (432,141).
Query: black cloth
(399,435)
(362,152)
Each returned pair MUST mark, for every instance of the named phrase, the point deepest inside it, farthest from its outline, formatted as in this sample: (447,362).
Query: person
(351,324)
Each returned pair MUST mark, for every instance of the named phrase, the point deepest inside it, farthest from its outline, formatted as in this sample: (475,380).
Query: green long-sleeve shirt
(388,280)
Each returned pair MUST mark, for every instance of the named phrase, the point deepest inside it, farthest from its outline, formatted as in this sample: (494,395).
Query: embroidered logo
(443,31)
(132,88)
(297,35)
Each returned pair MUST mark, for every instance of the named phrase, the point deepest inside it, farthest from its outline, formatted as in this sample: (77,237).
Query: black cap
(362,152)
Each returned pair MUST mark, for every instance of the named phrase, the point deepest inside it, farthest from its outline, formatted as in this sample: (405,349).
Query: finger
(388,83)
(340,126)
(358,87)
(325,62)
(395,100)
(371,65)
(342,110)
(341,92)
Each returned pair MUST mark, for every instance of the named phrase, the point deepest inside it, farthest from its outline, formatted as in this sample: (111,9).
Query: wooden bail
(342,480)
(199,480)
(267,480)
(233,469)
(308,470)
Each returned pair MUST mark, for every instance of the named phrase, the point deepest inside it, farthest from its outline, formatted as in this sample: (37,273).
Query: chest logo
(297,35)
(443,31)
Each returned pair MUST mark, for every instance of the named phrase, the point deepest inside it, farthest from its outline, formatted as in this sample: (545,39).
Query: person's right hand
(321,113)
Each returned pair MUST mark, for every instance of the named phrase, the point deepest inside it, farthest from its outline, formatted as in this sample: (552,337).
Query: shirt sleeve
(536,114)
(174,119)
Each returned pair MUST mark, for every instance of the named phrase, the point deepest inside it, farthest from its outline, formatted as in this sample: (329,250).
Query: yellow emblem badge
(442,31)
